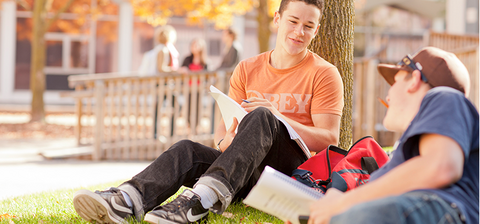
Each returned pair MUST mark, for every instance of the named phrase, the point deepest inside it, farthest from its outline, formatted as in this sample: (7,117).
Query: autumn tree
(45,18)
(37,76)
(197,12)
(265,11)
(334,43)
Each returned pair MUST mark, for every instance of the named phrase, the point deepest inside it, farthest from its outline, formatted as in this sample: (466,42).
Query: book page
(277,194)
(228,107)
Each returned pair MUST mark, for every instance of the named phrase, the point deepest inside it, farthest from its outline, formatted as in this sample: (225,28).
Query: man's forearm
(409,176)
(317,138)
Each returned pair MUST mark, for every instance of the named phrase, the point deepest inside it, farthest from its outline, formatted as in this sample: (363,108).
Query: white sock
(208,197)
(127,198)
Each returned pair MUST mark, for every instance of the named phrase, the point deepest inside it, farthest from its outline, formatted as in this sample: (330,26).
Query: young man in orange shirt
(290,82)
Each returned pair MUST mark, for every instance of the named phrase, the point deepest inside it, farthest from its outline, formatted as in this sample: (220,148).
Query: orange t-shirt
(313,86)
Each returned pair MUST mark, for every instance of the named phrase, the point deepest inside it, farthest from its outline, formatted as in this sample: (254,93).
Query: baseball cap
(438,68)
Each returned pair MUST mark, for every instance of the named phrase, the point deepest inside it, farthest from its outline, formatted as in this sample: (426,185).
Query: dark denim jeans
(261,140)
(415,207)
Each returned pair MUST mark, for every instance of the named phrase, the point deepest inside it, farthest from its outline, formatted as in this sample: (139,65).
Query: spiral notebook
(278,194)
(230,109)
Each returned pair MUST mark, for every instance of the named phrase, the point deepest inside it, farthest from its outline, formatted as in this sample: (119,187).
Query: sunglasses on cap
(409,62)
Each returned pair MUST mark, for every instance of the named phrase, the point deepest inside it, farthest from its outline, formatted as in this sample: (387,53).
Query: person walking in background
(164,56)
(197,60)
(231,55)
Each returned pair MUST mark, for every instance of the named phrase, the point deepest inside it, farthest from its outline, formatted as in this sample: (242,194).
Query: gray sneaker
(107,206)
(186,208)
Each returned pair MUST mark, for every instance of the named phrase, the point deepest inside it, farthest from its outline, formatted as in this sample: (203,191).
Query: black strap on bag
(305,177)
(369,164)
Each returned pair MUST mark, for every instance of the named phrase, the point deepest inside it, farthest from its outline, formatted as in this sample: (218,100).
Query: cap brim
(389,71)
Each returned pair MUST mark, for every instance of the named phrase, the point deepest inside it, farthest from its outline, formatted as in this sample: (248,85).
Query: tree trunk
(263,26)
(37,75)
(334,43)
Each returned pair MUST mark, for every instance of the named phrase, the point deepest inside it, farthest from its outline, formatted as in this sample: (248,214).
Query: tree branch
(60,11)
(24,4)
(48,5)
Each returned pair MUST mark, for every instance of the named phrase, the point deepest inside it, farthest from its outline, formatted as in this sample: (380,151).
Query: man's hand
(259,102)
(229,135)
(324,209)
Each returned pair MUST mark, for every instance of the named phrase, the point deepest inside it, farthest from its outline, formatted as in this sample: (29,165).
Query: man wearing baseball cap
(433,176)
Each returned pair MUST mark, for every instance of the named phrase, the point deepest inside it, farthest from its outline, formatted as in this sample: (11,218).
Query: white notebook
(278,194)
(230,109)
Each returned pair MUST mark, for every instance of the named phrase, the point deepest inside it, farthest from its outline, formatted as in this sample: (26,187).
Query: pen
(383,102)
(246,101)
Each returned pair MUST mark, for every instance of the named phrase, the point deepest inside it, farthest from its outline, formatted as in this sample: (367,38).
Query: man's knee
(181,147)
(261,112)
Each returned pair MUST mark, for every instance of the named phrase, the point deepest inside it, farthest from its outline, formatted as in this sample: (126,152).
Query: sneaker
(107,206)
(186,208)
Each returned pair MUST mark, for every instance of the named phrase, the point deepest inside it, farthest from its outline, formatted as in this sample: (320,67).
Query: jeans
(414,207)
(261,140)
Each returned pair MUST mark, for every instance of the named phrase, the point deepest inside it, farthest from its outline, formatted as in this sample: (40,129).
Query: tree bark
(334,43)
(37,75)
(263,26)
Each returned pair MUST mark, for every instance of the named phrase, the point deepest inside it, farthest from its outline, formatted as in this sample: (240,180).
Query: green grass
(57,207)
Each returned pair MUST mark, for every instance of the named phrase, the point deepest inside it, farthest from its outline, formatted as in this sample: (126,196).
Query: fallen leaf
(227,215)
(7,216)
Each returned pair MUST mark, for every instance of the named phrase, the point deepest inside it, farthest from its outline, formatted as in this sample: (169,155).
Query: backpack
(342,169)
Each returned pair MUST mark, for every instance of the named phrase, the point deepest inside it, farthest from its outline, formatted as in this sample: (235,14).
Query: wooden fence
(130,117)
(368,112)
(450,42)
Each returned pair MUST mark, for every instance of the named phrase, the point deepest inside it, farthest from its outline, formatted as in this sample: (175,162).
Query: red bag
(342,169)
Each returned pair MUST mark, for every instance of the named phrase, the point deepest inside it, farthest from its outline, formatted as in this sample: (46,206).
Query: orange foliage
(154,12)
(79,15)
(219,12)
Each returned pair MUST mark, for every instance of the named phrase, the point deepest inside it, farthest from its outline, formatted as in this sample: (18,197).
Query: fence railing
(130,117)
(450,42)
(368,111)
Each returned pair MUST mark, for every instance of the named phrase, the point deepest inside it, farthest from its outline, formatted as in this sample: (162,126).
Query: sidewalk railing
(131,117)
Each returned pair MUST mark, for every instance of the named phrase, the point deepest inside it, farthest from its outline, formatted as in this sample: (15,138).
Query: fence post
(78,111)
(371,98)
(358,75)
(99,116)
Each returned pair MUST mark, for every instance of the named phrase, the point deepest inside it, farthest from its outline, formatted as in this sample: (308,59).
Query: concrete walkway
(24,171)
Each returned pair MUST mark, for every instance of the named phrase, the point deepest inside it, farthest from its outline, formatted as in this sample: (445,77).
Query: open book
(278,194)
(230,109)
